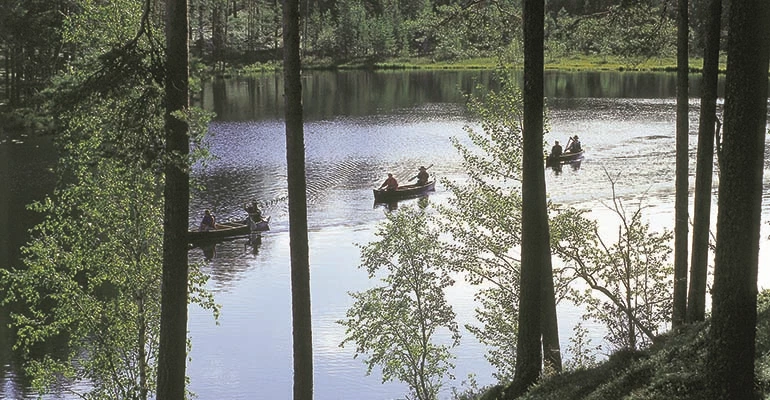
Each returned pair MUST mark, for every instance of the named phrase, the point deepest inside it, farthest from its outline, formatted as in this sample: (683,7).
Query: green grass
(567,63)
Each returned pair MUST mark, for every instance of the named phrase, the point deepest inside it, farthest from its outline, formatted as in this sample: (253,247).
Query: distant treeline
(235,33)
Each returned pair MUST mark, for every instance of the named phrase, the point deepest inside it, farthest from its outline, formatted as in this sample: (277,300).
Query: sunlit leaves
(483,219)
(91,283)
(406,327)
(628,283)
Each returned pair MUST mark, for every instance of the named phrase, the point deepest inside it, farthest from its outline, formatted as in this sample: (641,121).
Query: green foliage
(466,30)
(624,285)
(628,282)
(399,326)
(483,219)
(762,366)
(640,32)
(99,26)
(634,32)
(91,276)
(31,48)
(322,36)
(93,267)
(353,39)
(582,352)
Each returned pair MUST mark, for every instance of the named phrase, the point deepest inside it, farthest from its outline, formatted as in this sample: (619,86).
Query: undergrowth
(673,368)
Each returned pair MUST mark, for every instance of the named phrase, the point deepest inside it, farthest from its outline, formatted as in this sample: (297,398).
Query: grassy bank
(672,369)
(571,63)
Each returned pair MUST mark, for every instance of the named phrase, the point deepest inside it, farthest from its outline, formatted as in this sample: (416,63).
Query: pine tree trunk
(696,307)
(551,346)
(295,159)
(173,325)
(681,227)
(731,350)
(535,248)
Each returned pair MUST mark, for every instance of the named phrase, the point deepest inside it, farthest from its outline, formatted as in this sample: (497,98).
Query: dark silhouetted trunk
(731,348)
(681,227)
(704,168)
(173,325)
(295,159)
(535,249)
(551,346)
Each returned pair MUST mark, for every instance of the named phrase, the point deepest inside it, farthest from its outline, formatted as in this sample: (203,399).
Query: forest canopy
(237,33)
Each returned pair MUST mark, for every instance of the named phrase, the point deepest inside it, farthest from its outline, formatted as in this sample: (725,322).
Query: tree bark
(681,226)
(173,325)
(696,299)
(550,321)
(731,350)
(535,249)
(298,236)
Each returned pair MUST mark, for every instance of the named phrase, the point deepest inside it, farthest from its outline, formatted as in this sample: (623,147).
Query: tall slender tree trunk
(173,325)
(535,249)
(218,33)
(550,322)
(681,227)
(7,73)
(295,160)
(731,350)
(200,41)
(696,299)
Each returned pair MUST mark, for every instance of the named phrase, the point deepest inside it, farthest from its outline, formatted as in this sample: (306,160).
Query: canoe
(403,192)
(564,158)
(229,229)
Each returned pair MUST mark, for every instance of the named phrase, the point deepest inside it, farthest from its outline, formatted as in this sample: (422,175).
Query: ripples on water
(346,158)
(632,140)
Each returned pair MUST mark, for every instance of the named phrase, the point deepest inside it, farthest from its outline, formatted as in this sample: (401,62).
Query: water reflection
(209,251)
(251,244)
(255,240)
(575,165)
(332,95)
(421,202)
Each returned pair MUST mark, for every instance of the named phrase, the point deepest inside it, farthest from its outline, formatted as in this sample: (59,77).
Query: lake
(360,126)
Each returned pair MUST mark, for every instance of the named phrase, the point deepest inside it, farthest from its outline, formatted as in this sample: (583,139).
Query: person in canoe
(422,176)
(254,212)
(556,150)
(573,145)
(390,183)
(209,222)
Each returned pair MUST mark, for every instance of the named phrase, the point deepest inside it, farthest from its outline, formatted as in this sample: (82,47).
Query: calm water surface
(359,127)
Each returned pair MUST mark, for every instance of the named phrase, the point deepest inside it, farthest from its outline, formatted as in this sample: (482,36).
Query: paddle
(415,177)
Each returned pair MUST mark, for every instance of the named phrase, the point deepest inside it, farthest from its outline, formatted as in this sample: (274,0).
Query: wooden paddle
(415,177)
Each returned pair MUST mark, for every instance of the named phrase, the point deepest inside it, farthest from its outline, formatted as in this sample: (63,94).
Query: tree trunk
(218,38)
(200,41)
(535,249)
(696,307)
(173,325)
(550,322)
(295,160)
(731,350)
(681,226)
(7,71)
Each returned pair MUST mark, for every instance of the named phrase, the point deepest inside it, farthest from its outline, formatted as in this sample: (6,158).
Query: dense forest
(236,33)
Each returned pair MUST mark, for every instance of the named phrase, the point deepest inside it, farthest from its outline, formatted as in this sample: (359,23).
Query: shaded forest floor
(673,369)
